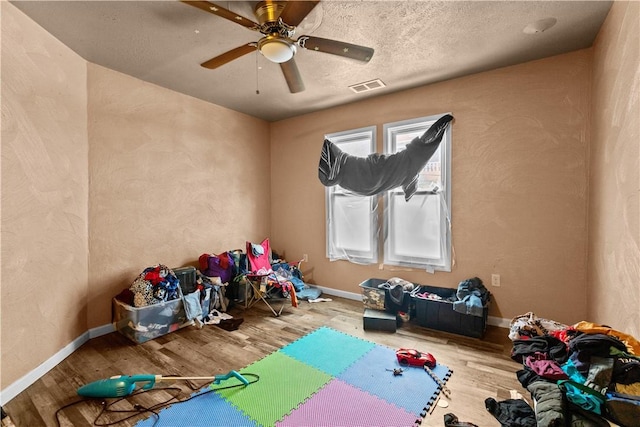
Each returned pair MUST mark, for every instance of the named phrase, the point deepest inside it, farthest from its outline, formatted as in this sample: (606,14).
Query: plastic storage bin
(440,315)
(378,298)
(372,296)
(141,324)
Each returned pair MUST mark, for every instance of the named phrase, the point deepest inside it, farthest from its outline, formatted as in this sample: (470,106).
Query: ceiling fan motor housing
(276,45)
(268,11)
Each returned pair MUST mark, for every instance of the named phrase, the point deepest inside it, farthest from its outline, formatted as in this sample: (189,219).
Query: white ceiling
(415,42)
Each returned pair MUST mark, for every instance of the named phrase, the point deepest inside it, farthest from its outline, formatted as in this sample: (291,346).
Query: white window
(352,220)
(418,232)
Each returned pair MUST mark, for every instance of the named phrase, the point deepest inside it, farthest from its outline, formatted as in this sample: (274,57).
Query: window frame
(334,252)
(390,257)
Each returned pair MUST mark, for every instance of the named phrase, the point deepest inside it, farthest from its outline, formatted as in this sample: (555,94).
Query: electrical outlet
(495,280)
(305,258)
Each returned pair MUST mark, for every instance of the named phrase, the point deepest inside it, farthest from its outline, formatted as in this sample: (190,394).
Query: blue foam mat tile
(328,350)
(414,390)
(205,409)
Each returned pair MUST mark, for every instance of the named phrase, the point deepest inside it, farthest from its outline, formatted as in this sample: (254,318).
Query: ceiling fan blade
(223,13)
(229,56)
(334,47)
(295,11)
(292,76)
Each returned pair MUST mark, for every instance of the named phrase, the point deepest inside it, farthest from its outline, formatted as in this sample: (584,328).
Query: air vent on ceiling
(367,86)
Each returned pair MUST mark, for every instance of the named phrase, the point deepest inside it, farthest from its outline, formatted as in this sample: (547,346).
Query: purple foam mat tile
(340,404)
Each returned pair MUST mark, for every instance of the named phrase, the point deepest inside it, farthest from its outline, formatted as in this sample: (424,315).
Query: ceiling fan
(277,21)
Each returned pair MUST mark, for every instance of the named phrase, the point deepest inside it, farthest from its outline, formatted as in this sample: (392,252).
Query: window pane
(359,147)
(430,176)
(414,230)
(351,225)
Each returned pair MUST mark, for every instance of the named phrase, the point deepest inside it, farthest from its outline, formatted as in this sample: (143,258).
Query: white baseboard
(339,293)
(101,330)
(20,385)
(499,322)
(491,320)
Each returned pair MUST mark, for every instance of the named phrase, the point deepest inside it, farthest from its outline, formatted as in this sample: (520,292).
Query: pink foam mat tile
(340,404)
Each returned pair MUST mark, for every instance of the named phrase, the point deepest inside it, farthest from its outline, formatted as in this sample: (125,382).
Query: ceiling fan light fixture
(276,49)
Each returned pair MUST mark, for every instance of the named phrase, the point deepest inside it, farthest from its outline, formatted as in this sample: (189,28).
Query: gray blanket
(377,173)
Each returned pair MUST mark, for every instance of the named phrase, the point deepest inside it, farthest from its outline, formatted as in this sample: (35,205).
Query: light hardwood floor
(481,367)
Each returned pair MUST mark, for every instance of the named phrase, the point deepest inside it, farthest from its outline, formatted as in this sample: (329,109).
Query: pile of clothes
(578,375)
(154,285)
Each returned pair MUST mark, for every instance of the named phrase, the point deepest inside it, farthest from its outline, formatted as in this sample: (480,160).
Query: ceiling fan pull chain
(257,72)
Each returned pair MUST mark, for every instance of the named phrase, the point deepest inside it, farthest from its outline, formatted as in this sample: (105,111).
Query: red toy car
(413,357)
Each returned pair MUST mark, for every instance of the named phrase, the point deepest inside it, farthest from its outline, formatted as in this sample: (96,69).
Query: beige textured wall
(519,195)
(44,195)
(171,177)
(614,208)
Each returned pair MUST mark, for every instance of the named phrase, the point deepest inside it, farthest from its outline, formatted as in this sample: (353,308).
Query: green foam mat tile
(284,383)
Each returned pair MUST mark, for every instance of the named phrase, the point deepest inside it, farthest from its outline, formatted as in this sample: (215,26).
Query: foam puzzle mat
(325,378)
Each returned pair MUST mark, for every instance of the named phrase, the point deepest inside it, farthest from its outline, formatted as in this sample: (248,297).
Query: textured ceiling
(415,42)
